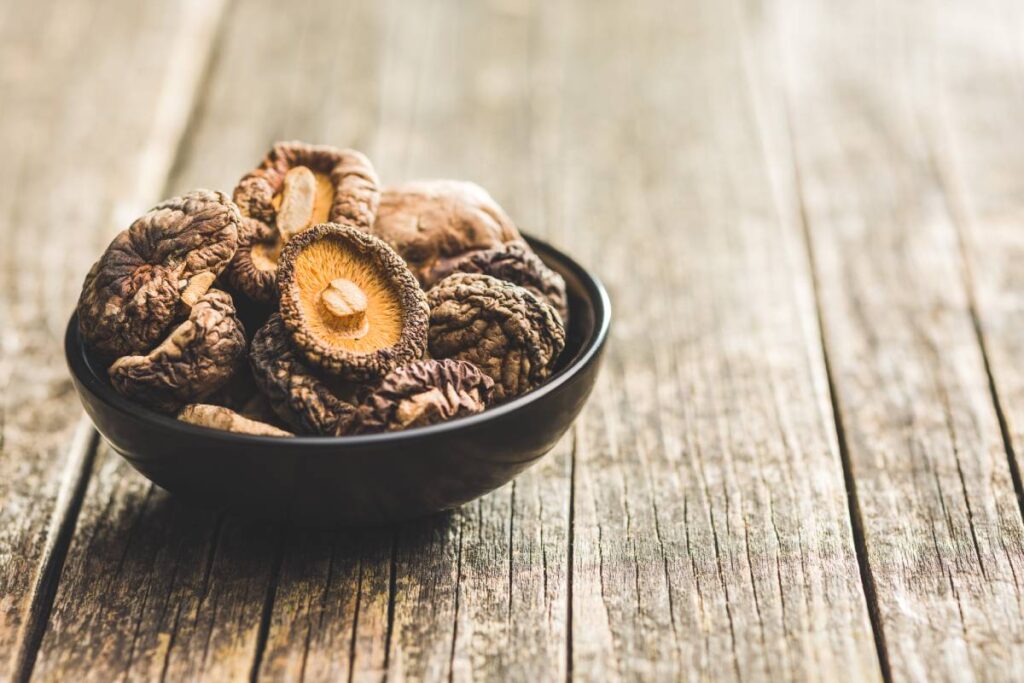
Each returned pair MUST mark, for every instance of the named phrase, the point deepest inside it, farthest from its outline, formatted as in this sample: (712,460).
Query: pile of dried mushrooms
(315,302)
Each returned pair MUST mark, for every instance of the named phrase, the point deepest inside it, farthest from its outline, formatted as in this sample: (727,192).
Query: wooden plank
(95,97)
(942,528)
(156,589)
(711,528)
(977,95)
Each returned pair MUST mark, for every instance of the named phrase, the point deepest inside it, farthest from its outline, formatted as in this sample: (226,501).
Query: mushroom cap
(512,335)
(296,394)
(356,187)
(320,269)
(347,192)
(253,270)
(425,392)
(198,357)
(154,270)
(516,263)
(431,222)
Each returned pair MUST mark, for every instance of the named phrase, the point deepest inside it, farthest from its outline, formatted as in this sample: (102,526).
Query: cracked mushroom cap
(198,357)
(297,186)
(298,396)
(512,335)
(432,222)
(219,417)
(425,392)
(352,307)
(516,263)
(164,261)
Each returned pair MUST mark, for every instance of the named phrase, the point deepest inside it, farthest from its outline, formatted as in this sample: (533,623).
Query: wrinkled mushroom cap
(512,335)
(295,393)
(219,417)
(153,271)
(295,187)
(425,392)
(198,357)
(431,222)
(516,263)
(352,307)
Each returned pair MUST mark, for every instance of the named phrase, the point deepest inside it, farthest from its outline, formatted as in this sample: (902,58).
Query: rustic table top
(802,460)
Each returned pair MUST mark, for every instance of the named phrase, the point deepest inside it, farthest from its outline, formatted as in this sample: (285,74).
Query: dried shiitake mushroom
(352,307)
(512,335)
(516,263)
(297,395)
(425,392)
(295,187)
(219,417)
(198,357)
(153,271)
(431,222)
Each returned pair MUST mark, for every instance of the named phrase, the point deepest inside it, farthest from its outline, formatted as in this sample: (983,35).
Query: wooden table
(802,461)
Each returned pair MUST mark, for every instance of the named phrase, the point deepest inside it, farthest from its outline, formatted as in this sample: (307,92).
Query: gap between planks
(797,198)
(953,193)
(856,519)
(81,455)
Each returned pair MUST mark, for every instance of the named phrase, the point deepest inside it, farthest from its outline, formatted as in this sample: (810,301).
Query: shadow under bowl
(372,479)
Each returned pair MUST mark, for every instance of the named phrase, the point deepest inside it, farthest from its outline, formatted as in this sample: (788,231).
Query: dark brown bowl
(377,478)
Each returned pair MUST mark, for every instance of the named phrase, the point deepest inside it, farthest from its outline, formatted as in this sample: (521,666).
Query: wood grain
(711,536)
(975,95)
(942,528)
(156,589)
(88,125)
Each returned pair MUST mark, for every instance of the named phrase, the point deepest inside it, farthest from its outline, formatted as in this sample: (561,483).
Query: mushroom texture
(297,395)
(219,417)
(163,263)
(432,222)
(351,306)
(198,357)
(512,335)
(295,187)
(425,392)
(516,263)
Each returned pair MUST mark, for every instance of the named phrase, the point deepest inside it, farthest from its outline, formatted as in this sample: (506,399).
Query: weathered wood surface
(799,461)
(934,488)
(87,141)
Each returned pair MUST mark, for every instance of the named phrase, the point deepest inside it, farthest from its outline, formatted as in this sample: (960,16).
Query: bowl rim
(74,354)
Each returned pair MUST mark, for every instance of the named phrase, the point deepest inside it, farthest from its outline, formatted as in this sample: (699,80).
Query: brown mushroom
(352,307)
(295,187)
(432,222)
(219,417)
(516,263)
(296,394)
(512,335)
(163,263)
(425,392)
(198,357)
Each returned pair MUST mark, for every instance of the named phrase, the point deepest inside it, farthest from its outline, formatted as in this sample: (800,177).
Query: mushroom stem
(298,199)
(219,417)
(346,303)
(197,288)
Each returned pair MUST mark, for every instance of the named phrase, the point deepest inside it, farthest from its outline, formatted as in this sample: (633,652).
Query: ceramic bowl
(378,478)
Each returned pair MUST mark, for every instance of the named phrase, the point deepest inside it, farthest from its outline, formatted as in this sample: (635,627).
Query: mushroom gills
(332,280)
